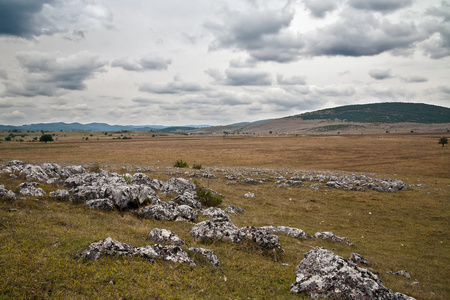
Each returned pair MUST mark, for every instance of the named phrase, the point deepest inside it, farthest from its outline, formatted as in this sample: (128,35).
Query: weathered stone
(14,166)
(209,255)
(72,170)
(323,274)
(249,195)
(216,213)
(62,195)
(400,273)
(188,198)
(231,209)
(34,173)
(5,193)
(187,212)
(115,248)
(167,211)
(217,229)
(358,259)
(289,231)
(165,236)
(52,169)
(178,186)
(105,204)
(328,235)
(262,237)
(29,189)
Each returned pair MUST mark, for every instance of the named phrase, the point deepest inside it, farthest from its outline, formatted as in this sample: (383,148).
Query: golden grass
(405,230)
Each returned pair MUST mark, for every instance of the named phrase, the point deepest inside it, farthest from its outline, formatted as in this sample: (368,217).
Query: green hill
(383,113)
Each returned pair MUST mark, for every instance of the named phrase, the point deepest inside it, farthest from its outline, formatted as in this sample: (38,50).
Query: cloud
(438,45)
(359,33)
(177,86)
(48,74)
(13,116)
(29,19)
(142,64)
(414,79)
(381,74)
(240,77)
(263,34)
(320,8)
(384,6)
(294,80)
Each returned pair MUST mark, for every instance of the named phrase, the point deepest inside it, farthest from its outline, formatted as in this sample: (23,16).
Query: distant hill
(351,119)
(91,127)
(395,112)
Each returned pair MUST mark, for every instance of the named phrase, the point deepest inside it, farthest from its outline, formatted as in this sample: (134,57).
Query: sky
(216,62)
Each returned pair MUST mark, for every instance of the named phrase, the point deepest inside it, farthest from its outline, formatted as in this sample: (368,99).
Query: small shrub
(197,167)
(127,179)
(206,197)
(46,138)
(181,164)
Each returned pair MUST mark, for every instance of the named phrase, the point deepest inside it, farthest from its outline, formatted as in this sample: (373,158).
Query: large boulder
(30,189)
(34,173)
(323,274)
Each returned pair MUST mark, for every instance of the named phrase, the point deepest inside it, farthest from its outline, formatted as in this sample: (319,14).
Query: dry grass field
(407,230)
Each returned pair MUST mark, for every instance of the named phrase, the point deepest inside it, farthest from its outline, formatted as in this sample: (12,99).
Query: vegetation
(197,166)
(41,238)
(181,164)
(336,127)
(443,141)
(46,138)
(384,113)
(207,197)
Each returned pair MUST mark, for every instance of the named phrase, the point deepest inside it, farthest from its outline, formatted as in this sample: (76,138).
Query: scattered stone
(62,195)
(165,236)
(262,237)
(167,211)
(115,248)
(209,255)
(250,195)
(29,189)
(216,213)
(105,204)
(7,193)
(234,210)
(188,198)
(178,186)
(251,181)
(328,235)
(400,273)
(289,231)
(34,173)
(358,259)
(323,274)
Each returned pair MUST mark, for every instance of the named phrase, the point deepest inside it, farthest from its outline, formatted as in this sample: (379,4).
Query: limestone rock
(289,231)
(167,211)
(234,210)
(105,204)
(400,273)
(178,186)
(60,195)
(358,259)
(216,213)
(323,274)
(209,255)
(261,237)
(165,236)
(34,173)
(328,235)
(188,198)
(30,189)
(7,193)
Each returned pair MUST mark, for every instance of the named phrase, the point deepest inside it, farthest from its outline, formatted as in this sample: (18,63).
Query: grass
(407,230)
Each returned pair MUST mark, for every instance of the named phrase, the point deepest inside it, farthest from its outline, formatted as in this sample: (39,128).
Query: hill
(351,119)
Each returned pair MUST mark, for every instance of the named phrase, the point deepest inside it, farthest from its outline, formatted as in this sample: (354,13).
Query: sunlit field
(406,230)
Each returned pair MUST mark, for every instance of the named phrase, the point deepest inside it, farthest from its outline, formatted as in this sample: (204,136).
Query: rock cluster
(323,274)
(165,236)
(7,193)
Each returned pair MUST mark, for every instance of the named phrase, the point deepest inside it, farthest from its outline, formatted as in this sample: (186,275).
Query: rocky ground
(321,274)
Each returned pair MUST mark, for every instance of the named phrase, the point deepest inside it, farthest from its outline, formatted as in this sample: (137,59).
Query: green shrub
(127,179)
(46,138)
(181,164)
(206,197)
(197,167)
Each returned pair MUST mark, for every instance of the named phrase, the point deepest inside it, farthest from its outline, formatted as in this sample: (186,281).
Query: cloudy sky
(177,62)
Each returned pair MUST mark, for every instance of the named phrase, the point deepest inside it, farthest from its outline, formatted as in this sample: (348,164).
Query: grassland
(405,230)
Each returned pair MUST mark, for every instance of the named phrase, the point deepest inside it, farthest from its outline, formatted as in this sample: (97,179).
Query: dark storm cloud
(362,34)
(320,8)
(381,74)
(142,64)
(47,74)
(177,86)
(20,17)
(263,34)
(384,6)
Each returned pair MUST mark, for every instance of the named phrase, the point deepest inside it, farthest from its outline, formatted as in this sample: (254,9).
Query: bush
(197,167)
(181,164)
(206,196)
(46,138)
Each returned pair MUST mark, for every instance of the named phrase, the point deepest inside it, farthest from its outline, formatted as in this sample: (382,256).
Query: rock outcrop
(323,274)
(165,236)
(289,231)
(30,189)
(5,193)
(167,211)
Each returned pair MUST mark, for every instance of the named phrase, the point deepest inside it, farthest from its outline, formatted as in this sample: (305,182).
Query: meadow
(406,230)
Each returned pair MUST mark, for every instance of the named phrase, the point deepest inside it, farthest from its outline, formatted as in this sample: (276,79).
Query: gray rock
(167,211)
(60,195)
(178,186)
(209,255)
(188,198)
(216,213)
(328,235)
(358,259)
(249,195)
(165,236)
(105,204)
(52,170)
(289,231)
(234,210)
(30,189)
(115,248)
(323,274)
(72,170)
(5,193)
(34,173)
(14,166)
(187,212)
(262,237)
(400,273)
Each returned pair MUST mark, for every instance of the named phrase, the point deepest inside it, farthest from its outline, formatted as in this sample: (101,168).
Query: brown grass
(405,230)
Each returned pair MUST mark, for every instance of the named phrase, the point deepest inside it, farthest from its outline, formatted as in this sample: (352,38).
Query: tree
(46,138)
(443,141)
